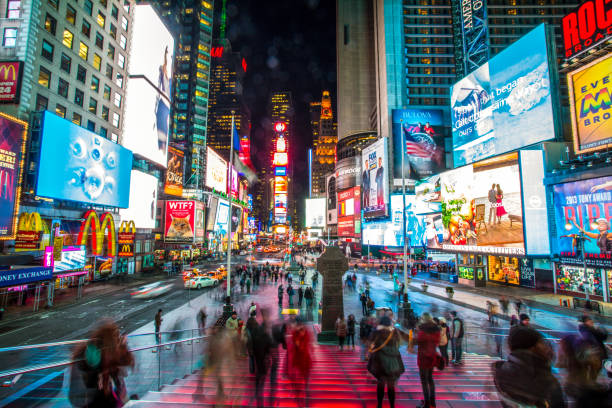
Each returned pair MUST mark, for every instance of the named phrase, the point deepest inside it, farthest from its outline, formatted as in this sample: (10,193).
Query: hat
(522,337)
(584,318)
(385,321)
(524,316)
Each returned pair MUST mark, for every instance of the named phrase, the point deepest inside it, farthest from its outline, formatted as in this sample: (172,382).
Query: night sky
(288,45)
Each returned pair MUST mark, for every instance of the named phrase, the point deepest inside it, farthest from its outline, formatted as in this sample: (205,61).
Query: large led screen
(585,207)
(216,171)
(506,103)
(78,165)
(534,203)
(12,139)
(221,219)
(429,194)
(590,105)
(349,212)
(180,221)
(143,200)
(481,207)
(332,203)
(174,172)
(418,134)
(315,212)
(375,179)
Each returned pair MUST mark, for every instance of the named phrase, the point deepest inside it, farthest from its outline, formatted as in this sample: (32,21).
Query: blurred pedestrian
(308,295)
(444,336)
(202,320)
(281,291)
(518,304)
(300,292)
(524,320)
(252,309)
(514,321)
(364,303)
(232,324)
(248,285)
(457,331)
(158,322)
(341,330)
(504,304)
(300,357)
(350,331)
(261,348)
(427,340)
(290,293)
(365,330)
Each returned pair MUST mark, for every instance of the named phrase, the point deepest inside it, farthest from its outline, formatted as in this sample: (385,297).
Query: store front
(471,269)
(573,281)
(442,266)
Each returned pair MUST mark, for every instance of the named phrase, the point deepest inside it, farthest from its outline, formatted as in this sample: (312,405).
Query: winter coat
(444,335)
(350,324)
(596,337)
(340,328)
(428,338)
(386,364)
(527,378)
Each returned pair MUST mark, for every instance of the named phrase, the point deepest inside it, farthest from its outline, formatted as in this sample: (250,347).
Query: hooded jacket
(428,338)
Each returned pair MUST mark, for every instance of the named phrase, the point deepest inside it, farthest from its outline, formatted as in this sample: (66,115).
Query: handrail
(31,369)
(555,339)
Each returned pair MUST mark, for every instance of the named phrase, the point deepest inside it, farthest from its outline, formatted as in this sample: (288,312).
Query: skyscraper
(324,131)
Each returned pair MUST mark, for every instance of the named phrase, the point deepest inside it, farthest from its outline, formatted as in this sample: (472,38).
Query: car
(152,290)
(260,249)
(201,282)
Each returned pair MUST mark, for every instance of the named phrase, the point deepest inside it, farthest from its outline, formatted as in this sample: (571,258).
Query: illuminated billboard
(216,171)
(590,103)
(422,131)
(78,165)
(280,159)
(10,81)
(221,218)
(586,26)
(147,112)
(143,200)
(506,103)
(375,179)
(12,145)
(280,185)
(174,172)
(349,212)
(534,203)
(429,194)
(332,210)
(180,221)
(315,212)
(481,207)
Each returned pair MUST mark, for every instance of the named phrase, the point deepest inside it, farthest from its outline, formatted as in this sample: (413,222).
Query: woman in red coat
(300,355)
(427,339)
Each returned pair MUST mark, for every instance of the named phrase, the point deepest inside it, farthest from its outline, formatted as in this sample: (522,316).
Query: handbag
(373,350)
(440,362)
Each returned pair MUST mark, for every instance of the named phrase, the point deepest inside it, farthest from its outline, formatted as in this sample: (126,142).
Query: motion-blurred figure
(300,357)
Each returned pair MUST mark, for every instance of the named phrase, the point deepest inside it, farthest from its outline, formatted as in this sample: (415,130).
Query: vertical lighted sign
(281,181)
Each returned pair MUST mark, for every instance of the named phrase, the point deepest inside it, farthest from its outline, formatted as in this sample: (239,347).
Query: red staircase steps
(338,379)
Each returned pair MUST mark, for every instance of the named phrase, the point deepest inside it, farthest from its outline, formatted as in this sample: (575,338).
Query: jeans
(364,308)
(429,389)
(444,352)
(457,348)
(350,339)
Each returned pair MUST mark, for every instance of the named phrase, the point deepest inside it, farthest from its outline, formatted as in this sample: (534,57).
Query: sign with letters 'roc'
(588,25)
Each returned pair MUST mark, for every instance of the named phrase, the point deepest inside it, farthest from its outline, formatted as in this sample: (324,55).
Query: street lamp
(581,237)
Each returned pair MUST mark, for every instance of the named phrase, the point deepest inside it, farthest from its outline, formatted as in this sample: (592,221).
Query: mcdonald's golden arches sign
(10,81)
(125,239)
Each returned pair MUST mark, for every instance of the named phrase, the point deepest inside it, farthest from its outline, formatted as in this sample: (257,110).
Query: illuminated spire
(223,20)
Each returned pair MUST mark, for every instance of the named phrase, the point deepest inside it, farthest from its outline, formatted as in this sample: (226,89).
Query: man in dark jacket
(526,377)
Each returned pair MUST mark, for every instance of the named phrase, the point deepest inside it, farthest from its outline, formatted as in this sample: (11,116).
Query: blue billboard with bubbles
(505,104)
(78,165)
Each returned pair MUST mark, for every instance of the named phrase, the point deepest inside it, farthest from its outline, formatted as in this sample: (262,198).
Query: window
(10,37)
(41,103)
(50,24)
(95,84)
(78,97)
(115,137)
(126,6)
(54,3)
(83,51)
(114,12)
(93,106)
(107,92)
(101,20)
(68,37)
(14,9)
(119,80)
(86,28)
(116,119)
(121,61)
(60,110)
(62,88)
(81,73)
(109,71)
(105,113)
(97,62)
(76,118)
(111,52)
(44,77)
(88,7)
(123,41)
(118,99)
(113,31)
(47,50)
(104,3)
(91,125)
(103,131)
(99,41)
(65,63)
(70,14)
(124,23)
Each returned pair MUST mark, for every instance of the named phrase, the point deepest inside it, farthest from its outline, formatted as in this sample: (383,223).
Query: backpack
(443,336)
(460,335)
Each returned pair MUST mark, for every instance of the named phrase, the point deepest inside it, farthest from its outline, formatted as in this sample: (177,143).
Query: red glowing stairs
(339,379)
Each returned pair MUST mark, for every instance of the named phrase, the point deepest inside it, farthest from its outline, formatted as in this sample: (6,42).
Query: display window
(572,278)
(466,272)
(504,269)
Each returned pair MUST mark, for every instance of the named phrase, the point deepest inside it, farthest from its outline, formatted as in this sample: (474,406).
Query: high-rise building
(192,23)
(325,138)
(226,97)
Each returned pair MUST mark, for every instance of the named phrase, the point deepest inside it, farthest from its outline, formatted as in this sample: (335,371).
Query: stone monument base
(327,337)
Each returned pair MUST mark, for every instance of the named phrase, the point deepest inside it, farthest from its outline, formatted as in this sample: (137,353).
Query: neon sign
(280,126)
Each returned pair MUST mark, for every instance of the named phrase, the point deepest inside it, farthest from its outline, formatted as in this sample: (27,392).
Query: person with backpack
(444,336)
(427,340)
(457,331)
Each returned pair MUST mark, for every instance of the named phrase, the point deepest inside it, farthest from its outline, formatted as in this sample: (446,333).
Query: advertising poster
(349,212)
(78,165)
(221,219)
(10,81)
(585,207)
(428,193)
(422,132)
(586,26)
(216,171)
(125,244)
(143,200)
(506,103)
(235,183)
(332,207)
(481,207)
(590,105)
(180,221)
(375,179)
(348,172)
(236,218)
(12,139)
(315,212)
(535,203)
(147,113)
(174,172)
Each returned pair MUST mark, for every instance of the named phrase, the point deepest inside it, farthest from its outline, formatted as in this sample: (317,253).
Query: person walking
(364,303)
(457,332)
(202,320)
(350,331)
(427,340)
(232,325)
(365,330)
(300,357)
(252,309)
(158,322)
(518,304)
(261,348)
(308,295)
(281,291)
(341,330)
(524,320)
(300,292)
(290,293)
(248,285)
(444,336)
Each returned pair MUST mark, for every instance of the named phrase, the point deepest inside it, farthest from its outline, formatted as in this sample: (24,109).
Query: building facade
(324,132)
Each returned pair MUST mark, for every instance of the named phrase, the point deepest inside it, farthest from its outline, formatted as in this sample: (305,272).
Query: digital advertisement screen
(216,171)
(78,165)
(348,172)
(315,212)
(332,208)
(180,221)
(12,140)
(586,26)
(481,207)
(422,131)
(506,103)
(143,200)
(10,81)
(235,182)
(174,172)
(590,105)
(585,207)
(534,203)
(221,221)
(429,194)
(375,179)
(280,204)
(199,222)
(73,258)
(236,218)
(349,212)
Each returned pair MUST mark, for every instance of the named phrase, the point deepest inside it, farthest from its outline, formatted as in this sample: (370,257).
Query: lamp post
(581,237)
(404,206)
